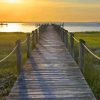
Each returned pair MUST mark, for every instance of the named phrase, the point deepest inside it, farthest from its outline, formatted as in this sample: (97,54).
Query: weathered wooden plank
(64,98)
(54,97)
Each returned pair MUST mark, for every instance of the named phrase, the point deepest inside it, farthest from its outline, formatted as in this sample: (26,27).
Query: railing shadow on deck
(22,89)
(45,88)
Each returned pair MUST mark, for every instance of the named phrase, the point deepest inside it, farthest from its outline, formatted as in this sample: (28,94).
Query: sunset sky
(49,10)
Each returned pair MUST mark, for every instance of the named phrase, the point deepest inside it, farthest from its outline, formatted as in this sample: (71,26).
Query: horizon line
(49,21)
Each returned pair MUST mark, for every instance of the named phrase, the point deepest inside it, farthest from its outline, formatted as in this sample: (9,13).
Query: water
(18,27)
(70,26)
(82,27)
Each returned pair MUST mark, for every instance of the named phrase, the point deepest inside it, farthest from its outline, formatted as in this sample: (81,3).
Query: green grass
(8,69)
(92,65)
(92,38)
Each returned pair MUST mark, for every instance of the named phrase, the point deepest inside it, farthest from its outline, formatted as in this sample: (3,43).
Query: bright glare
(17,27)
(12,27)
(12,1)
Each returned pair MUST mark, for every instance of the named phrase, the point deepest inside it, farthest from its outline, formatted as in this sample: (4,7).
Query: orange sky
(49,10)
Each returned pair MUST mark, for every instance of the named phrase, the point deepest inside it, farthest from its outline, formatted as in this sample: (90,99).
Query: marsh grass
(8,68)
(92,74)
(92,65)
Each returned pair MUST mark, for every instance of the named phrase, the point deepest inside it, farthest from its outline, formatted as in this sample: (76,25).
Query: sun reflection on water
(13,27)
(17,27)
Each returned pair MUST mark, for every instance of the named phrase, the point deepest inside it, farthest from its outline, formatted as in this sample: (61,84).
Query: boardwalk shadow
(22,85)
(44,86)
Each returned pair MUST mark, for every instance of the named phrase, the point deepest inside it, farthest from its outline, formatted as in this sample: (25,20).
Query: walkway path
(51,74)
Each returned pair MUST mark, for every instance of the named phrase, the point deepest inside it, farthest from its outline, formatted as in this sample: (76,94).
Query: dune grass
(92,65)
(8,69)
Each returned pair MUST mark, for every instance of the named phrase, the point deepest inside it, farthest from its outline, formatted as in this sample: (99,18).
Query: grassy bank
(92,65)
(8,69)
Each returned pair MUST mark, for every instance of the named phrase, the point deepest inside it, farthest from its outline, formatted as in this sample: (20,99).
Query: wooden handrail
(65,37)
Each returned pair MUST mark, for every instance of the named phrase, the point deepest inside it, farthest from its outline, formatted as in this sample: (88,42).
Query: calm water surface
(82,26)
(70,26)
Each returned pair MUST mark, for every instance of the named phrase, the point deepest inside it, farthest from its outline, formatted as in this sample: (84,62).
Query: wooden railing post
(63,35)
(81,55)
(36,36)
(60,32)
(28,45)
(18,56)
(66,38)
(72,44)
(33,40)
(39,32)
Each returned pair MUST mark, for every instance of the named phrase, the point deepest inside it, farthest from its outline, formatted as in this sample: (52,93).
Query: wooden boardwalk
(51,74)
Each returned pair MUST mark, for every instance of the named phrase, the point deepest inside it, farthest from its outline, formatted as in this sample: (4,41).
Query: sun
(12,1)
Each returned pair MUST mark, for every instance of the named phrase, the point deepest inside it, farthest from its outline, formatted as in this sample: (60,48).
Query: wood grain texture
(51,73)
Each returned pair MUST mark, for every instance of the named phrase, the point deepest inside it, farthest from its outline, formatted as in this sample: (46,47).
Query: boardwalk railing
(69,37)
(34,38)
(29,43)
